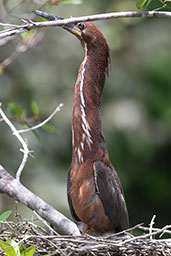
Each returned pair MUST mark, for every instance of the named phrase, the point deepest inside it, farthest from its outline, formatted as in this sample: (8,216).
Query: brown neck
(86,121)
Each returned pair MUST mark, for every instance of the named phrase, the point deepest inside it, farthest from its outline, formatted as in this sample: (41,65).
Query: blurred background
(135,106)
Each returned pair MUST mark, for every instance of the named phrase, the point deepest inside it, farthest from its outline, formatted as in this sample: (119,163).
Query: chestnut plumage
(95,195)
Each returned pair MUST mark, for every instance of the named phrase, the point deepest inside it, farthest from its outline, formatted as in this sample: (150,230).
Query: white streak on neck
(83,75)
(85,124)
(86,136)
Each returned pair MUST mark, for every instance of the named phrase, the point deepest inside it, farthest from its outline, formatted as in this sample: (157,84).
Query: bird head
(84,31)
(88,34)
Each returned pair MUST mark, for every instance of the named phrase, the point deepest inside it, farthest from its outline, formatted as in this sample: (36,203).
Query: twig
(46,224)
(166,231)
(151,226)
(58,108)
(147,235)
(114,15)
(25,149)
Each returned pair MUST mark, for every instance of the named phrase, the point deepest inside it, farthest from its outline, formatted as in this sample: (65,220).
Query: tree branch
(114,15)
(23,142)
(58,108)
(13,188)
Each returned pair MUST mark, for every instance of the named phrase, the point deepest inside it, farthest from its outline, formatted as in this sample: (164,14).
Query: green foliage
(49,128)
(16,109)
(142,4)
(35,109)
(72,1)
(1,70)
(11,248)
(8,248)
(5,216)
(27,34)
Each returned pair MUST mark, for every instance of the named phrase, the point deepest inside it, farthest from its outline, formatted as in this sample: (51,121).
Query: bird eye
(81,26)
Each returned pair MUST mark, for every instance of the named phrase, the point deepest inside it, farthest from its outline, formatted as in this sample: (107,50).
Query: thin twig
(25,149)
(155,229)
(58,108)
(151,226)
(45,223)
(147,235)
(114,15)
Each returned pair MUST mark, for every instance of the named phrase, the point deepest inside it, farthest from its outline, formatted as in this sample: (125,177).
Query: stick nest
(29,233)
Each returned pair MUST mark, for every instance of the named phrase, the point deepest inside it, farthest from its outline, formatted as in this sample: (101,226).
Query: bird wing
(111,195)
(74,215)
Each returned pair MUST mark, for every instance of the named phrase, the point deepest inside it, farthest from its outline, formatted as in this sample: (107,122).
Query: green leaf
(26,34)
(35,108)
(14,246)
(142,3)
(7,248)
(5,215)
(48,127)
(72,1)
(16,109)
(1,69)
(21,248)
(30,251)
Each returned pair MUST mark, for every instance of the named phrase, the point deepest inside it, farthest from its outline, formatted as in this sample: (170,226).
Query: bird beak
(69,27)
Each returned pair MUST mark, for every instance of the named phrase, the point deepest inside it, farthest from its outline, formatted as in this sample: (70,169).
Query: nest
(29,233)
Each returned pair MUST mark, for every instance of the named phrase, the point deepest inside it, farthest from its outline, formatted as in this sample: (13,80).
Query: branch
(25,149)
(23,142)
(13,188)
(42,123)
(114,15)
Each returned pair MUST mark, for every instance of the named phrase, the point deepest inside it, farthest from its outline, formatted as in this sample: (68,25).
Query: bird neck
(86,120)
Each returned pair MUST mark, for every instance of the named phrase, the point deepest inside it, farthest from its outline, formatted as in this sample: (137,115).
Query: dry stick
(16,132)
(151,226)
(147,235)
(13,188)
(114,15)
(46,224)
(25,149)
(154,229)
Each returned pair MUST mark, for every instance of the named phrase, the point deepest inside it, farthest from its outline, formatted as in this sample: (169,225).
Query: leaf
(1,69)
(21,248)
(49,128)
(16,109)
(7,248)
(14,246)
(35,108)
(72,1)
(5,215)
(30,251)
(142,3)
(26,34)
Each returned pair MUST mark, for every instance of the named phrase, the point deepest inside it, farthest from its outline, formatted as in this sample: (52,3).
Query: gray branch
(17,29)
(13,188)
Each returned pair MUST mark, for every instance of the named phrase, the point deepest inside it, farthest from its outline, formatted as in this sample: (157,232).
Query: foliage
(5,216)
(11,248)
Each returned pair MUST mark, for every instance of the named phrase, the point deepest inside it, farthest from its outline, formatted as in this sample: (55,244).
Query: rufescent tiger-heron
(95,195)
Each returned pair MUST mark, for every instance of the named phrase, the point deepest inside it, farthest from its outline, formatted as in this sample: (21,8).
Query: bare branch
(114,15)
(151,225)
(23,142)
(25,149)
(44,122)
(13,188)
